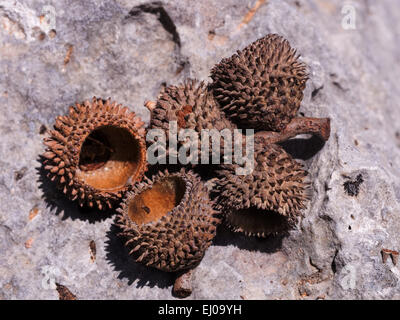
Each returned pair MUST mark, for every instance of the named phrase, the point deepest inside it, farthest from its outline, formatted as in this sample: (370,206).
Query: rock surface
(53,53)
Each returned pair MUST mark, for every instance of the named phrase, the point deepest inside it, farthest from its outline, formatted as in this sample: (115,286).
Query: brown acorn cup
(267,200)
(96,152)
(261,86)
(169,221)
(192,106)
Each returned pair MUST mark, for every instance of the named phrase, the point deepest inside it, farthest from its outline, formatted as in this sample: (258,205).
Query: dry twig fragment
(183,284)
(92,247)
(68,56)
(28,243)
(394,255)
(316,126)
(64,293)
(33,213)
(250,14)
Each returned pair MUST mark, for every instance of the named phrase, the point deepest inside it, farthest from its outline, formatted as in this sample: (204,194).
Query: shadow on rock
(303,148)
(270,244)
(118,256)
(55,200)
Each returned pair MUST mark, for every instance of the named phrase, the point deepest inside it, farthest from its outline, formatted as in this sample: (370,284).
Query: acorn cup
(266,201)
(96,152)
(168,222)
(261,86)
(192,106)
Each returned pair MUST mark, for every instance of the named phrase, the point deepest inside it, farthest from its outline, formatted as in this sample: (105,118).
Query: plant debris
(33,213)
(92,247)
(394,255)
(352,187)
(64,293)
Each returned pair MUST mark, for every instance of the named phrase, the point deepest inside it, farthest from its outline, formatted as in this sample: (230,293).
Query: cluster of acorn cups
(97,156)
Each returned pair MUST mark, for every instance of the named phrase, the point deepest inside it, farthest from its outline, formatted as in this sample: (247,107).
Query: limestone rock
(54,53)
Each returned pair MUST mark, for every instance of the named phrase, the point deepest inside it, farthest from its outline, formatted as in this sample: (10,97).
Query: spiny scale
(65,143)
(261,87)
(178,239)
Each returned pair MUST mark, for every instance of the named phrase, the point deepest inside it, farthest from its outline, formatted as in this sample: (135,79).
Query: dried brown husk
(192,106)
(266,201)
(96,152)
(168,222)
(261,86)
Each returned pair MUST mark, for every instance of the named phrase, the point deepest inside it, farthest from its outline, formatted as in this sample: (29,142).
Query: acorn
(96,152)
(168,221)
(269,199)
(261,87)
(192,106)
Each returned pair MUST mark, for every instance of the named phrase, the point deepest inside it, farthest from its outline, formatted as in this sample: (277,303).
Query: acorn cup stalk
(319,127)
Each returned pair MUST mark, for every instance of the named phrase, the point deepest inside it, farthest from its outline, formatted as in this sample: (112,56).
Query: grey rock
(129,50)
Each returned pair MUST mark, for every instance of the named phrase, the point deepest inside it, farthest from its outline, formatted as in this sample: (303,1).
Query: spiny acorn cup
(191,106)
(266,201)
(96,152)
(261,87)
(169,221)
